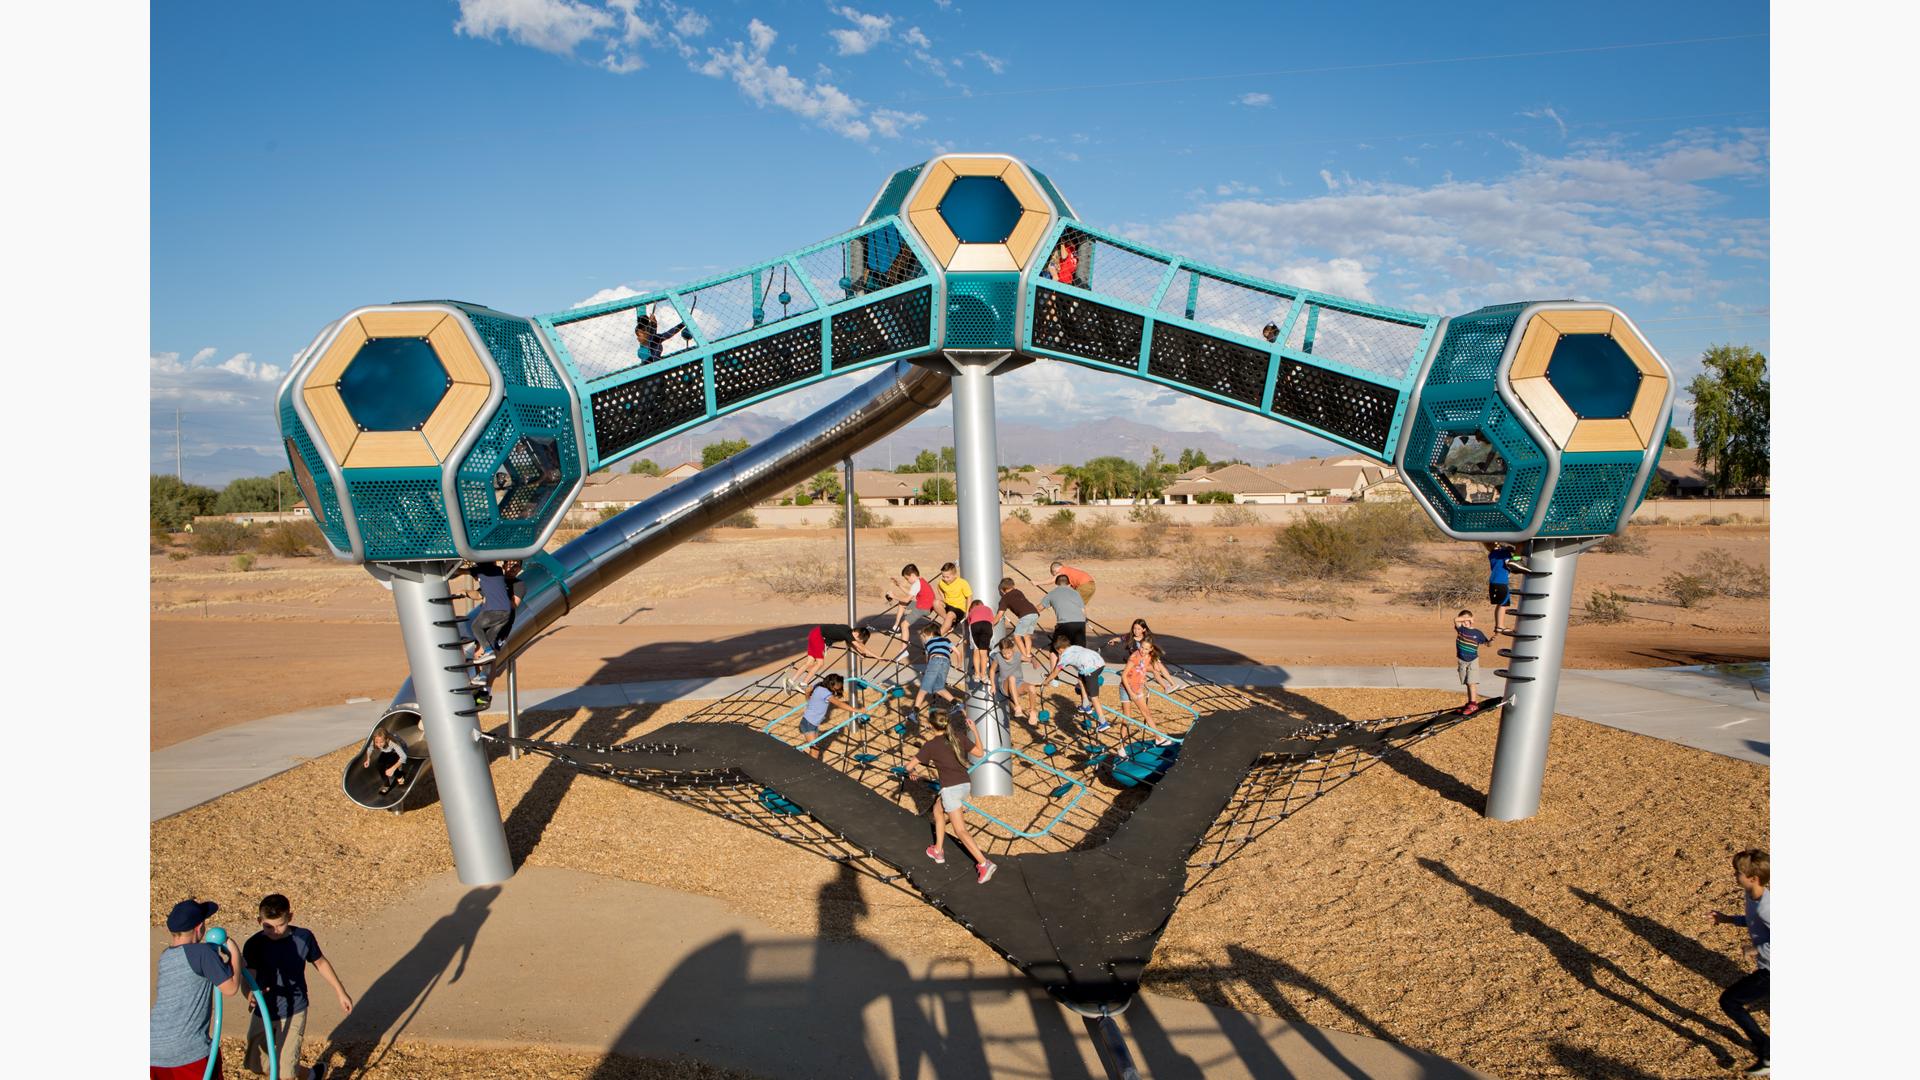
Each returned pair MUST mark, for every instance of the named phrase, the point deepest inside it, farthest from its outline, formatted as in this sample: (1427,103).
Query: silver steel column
(977,491)
(851,502)
(459,760)
(1533,679)
(513,708)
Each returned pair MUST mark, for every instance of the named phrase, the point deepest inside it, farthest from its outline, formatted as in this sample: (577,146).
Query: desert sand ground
(228,647)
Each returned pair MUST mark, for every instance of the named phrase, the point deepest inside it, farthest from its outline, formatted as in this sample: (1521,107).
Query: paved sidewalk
(575,960)
(1723,710)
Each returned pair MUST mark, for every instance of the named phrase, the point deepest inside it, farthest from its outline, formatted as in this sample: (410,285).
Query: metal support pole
(1112,1046)
(1533,679)
(852,503)
(513,708)
(977,480)
(467,799)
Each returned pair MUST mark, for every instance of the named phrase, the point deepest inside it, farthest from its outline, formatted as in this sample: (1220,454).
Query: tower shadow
(396,997)
(1587,967)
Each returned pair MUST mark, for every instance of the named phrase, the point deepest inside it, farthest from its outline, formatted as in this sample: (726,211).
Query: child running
(956,594)
(855,638)
(1015,606)
(943,757)
(1466,653)
(1753,870)
(980,628)
(821,701)
(933,678)
(1086,666)
(1010,679)
(384,743)
(913,593)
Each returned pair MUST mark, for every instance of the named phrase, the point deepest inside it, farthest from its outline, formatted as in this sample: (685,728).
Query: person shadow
(1681,948)
(355,1045)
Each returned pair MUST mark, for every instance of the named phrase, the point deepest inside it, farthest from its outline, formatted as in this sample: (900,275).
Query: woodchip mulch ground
(1573,944)
(415,1060)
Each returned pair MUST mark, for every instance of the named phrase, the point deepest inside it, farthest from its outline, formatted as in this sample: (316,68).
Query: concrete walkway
(594,964)
(1723,710)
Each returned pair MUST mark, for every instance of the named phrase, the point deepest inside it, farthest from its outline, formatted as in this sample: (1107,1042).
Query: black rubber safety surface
(1084,923)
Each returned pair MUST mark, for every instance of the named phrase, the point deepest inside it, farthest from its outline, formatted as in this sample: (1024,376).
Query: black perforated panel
(890,326)
(1207,363)
(760,366)
(1069,324)
(624,415)
(1336,404)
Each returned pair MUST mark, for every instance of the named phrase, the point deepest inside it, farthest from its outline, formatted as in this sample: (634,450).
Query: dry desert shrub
(1451,585)
(242,563)
(806,577)
(1211,572)
(1605,607)
(1149,514)
(863,518)
(1727,575)
(1353,543)
(1628,541)
(290,539)
(1233,515)
(899,537)
(1061,536)
(1686,590)
(218,538)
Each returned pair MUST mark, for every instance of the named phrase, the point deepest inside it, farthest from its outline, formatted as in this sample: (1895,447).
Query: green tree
(825,486)
(937,489)
(1677,439)
(646,466)
(1731,403)
(1191,459)
(173,505)
(716,452)
(257,493)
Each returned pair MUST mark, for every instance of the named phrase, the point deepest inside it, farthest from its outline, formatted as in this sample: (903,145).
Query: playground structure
(423,433)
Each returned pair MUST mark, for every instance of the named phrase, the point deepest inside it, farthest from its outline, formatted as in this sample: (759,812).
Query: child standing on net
(1080,580)
(933,677)
(821,701)
(957,596)
(944,757)
(980,629)
(1010,678)
(1466,653)
(914,594)
(1085,666)
(1015,606)
(1753,870)
(277,956)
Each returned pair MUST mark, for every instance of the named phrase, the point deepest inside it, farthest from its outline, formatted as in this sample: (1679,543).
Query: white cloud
(916,38)
(1548,113)
(618,292)
(866,32)
(766,83)
(1254,100)
(1642,225)
(555,26)
(1235,188)
(691,24)
(995,64)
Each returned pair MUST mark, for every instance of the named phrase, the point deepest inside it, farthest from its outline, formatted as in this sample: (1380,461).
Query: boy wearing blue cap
(190,971)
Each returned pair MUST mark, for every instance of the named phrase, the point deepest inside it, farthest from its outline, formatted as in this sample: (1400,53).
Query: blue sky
(531,154)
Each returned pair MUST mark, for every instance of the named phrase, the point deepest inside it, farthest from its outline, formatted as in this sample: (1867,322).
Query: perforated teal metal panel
(1526,462)
(516,350)
(893,194)
(400,513)
(980,311)
(1592,491)
(1471,349)
(327,514)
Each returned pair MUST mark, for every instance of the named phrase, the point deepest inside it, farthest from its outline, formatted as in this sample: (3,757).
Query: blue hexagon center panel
(980,210)
(1472,468)
(1594,376)
(393,384)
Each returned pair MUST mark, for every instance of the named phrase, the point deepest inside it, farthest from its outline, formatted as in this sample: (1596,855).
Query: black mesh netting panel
(759,366)
(626,414)
(1069,324)
(1206,363)
(893,325)
(1336,404)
